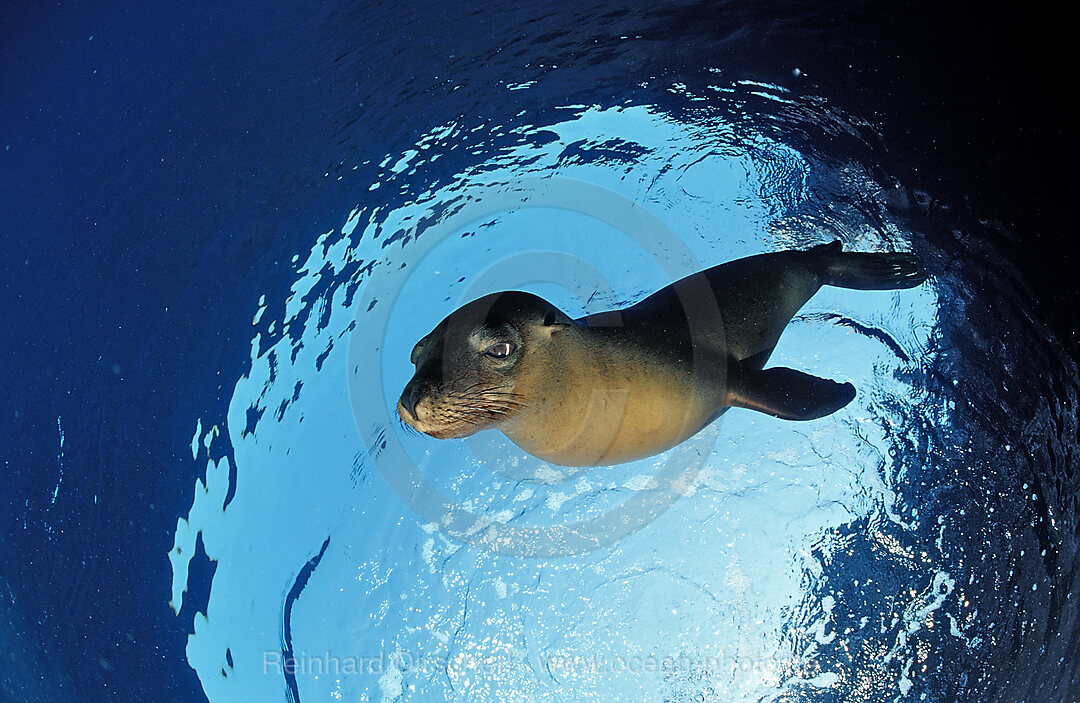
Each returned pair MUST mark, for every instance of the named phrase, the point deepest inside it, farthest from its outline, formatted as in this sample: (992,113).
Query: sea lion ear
(555,320)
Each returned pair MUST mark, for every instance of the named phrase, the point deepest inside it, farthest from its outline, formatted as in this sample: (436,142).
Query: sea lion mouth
(459,413)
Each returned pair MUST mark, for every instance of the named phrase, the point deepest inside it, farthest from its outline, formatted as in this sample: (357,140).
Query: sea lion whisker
(492,398)
(486,393)
(492,409)
(490,401)
(457,403)
(458,413)
(522,404)
(409,429)
(480,387)
(473,412)
(497,394)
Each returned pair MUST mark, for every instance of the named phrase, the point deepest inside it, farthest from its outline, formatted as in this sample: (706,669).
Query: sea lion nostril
(409,397)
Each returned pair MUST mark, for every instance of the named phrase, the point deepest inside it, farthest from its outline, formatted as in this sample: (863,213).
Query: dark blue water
(160,168)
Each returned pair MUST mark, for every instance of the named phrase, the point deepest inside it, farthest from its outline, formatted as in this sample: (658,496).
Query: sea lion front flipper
(786,393)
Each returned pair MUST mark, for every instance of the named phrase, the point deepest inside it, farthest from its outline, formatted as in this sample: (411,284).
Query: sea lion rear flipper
(786,393)
(869,271)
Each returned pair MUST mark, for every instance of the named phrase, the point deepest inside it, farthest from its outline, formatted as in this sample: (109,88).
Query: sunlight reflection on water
(716,598)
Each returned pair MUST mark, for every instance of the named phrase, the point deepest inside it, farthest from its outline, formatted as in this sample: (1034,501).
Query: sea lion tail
(864,271)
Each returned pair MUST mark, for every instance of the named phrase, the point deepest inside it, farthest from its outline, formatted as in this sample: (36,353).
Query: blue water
(224,231)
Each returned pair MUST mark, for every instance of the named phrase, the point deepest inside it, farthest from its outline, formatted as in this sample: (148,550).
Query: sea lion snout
(425,383)
(409,398)
(446,413)
(417,405)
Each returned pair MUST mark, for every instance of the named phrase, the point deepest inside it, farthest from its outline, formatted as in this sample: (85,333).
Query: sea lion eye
(500,350)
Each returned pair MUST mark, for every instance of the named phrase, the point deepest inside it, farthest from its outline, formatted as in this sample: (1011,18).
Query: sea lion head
(472,370)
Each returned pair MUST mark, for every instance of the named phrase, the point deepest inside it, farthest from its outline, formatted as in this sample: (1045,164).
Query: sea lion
(630,383)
